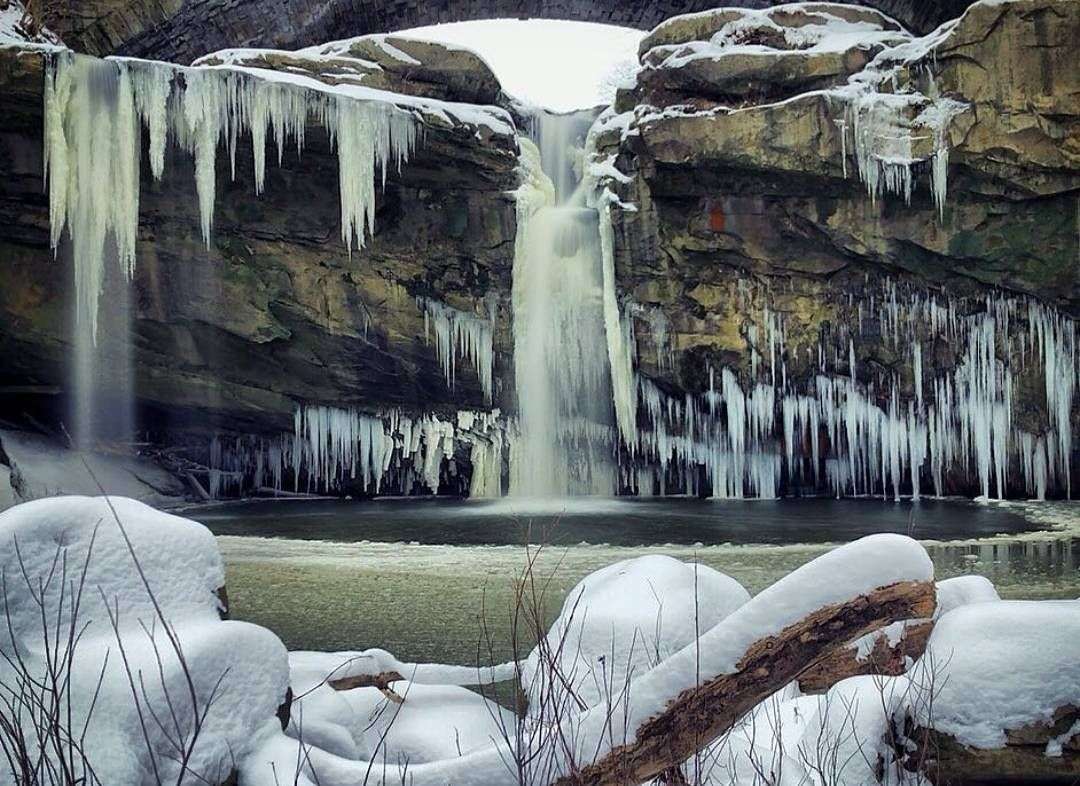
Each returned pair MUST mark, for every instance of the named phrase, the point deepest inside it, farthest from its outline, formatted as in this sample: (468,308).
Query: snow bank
(236,673)
(1001,666)
(619,622)
(43,468)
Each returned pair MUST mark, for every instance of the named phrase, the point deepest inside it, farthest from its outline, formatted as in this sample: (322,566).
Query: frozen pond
(423,579)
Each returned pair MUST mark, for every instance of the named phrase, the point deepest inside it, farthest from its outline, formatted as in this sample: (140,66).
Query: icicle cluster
(94,111)
(896,128)
(857,438)
(332,449)
(460,334)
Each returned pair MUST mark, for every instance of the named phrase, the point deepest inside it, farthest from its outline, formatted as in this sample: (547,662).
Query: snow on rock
(1001,666)
(891,116)
(619,622)
(236,673)
(17,29)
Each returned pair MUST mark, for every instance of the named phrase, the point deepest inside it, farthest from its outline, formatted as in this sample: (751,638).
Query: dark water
(631,522)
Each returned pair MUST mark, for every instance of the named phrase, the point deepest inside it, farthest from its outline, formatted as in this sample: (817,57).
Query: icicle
(93,151)
(618,340)
(92,145)
(460,334)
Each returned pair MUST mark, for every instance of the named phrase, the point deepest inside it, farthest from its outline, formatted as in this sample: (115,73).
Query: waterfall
(565,441)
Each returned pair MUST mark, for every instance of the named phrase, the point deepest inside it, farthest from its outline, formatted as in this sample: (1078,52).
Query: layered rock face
(182,30)
(276,310)
(803,190)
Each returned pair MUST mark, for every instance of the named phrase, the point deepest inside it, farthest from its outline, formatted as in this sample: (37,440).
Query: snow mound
(1001,666)
(962,591)
(164,636)
(619,622)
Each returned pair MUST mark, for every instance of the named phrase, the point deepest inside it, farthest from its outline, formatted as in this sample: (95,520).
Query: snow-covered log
(888,651)
(891,650)
(700,714)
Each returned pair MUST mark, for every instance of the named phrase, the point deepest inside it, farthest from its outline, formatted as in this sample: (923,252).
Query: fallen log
(701,714)
(1023,760)
(884,658)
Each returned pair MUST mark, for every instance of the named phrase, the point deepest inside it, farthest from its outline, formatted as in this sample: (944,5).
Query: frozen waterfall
(564,443)
(95,112)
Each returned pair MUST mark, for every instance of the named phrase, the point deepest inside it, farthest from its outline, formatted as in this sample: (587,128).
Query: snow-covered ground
(40,467)
(14,31)
(142,587)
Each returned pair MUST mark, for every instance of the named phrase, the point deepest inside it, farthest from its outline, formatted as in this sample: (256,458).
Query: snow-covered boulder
(139,590)
(619,622)
(1001,666)
(408,66)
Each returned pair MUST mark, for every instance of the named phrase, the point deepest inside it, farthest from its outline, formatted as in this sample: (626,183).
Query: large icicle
(93,147)
(461,334)
(92,156)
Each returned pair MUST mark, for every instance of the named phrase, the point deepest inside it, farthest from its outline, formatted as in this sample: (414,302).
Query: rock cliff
(744,154)
(276,310)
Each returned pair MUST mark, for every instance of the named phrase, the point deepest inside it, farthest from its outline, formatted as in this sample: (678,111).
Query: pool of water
(616,522)
(433,580)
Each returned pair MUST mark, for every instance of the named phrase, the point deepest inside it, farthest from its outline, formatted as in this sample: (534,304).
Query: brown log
(1023,760)
(381,681)
(883,659)
(699,715)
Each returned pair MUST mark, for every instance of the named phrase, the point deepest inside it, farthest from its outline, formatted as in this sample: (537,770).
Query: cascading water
(565,441)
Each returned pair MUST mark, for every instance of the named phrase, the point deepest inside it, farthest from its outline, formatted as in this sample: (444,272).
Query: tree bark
(699,715)
(381,681)
(883,658)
